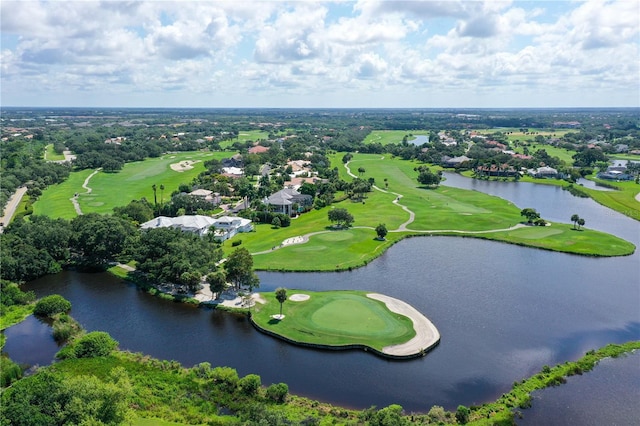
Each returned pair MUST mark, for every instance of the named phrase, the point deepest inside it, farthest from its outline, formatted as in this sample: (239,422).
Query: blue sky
(413,54)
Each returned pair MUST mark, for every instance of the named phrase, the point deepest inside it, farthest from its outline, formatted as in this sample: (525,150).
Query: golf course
(347,320)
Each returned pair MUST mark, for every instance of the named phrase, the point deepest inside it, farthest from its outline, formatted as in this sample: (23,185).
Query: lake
(503,312)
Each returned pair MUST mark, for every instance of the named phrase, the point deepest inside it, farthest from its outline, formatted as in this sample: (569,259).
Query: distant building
(455,161)
(544,172)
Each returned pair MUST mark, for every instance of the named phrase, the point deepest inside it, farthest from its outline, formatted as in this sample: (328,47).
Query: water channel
(503,312)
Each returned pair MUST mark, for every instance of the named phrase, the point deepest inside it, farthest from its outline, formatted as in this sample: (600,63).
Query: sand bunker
(183,165)
(299,297)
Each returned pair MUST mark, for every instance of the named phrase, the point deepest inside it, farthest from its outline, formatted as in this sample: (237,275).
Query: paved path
(74,199)
(11,206)
(427,335)
(404,227)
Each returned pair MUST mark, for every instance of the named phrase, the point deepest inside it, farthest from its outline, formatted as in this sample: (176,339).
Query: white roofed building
(224,227)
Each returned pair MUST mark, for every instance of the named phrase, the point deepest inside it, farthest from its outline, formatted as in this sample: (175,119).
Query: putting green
(334,319)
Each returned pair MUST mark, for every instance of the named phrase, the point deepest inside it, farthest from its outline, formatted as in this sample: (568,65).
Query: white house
(224,228)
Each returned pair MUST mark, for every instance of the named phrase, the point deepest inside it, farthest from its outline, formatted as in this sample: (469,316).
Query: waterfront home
(223,228)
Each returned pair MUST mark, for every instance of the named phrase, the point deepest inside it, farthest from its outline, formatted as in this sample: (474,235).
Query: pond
(503,312)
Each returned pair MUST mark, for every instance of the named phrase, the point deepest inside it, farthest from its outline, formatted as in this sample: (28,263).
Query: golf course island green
(347,319)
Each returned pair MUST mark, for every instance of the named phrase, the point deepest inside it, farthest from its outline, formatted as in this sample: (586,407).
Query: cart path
(85,185)
(404,227)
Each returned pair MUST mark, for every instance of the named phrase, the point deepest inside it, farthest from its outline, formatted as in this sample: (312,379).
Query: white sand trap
(298,297)
(278,317)
(293,240)
(183,165)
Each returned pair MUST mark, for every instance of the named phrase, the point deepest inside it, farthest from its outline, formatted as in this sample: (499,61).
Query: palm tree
(281,296)
(155,198)
(575,218)
(581,222)
(161,194)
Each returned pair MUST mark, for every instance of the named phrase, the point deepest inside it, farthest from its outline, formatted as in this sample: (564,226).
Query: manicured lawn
(335,318)
(437,211)
(516,134)
(245,135)
(385,137)
(623,200)
(51,155)
(563,154)
(133,182)
(54,201)
(562,237)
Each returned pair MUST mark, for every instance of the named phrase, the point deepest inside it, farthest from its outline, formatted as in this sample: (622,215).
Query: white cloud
(458,51)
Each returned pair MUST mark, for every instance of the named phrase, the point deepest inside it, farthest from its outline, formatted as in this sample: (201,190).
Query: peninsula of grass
(441,211)
(564,238)
(334,320)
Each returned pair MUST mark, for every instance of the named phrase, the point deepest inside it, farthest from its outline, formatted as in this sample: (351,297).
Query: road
(11,207)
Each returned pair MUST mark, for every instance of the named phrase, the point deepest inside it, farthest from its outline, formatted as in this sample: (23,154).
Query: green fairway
(51,155)
(441,211)
(134,181)
(335,318)
(562,237)
(623,200)
(385,137)
(515,134)
(244,136)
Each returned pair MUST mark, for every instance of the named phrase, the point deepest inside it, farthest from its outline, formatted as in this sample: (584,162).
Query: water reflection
(503,312)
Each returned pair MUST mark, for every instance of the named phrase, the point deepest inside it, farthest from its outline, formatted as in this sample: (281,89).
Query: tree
(276,222)
(155,197)
(361,171)
(217,282)
(581,222)
(100,238)
(161,193)
(530,214)
(427,177)
(51,305)
(462,414)
(277,392)
(381,230)
(341,217)
(239,268)
(281,296)
(574,219)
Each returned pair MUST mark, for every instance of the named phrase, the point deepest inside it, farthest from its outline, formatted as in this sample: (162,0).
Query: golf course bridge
(347,320)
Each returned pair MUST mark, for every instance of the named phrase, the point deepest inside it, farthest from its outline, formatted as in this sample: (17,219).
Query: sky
(307,54)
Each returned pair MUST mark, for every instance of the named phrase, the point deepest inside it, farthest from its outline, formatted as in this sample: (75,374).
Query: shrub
(278,392)
(225,377)
(9,371)
(94,344)
(462,414)
(236,243)
(51,305)
(250,384)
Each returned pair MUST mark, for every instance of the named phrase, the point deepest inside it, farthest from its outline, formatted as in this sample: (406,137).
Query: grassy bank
(51,155)
(441,211)
(502,410)
(334,319)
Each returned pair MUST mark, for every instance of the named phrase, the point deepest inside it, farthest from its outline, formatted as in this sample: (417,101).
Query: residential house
(455,161)
(544,172)
(205,194)
(284,200)
(224,228)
